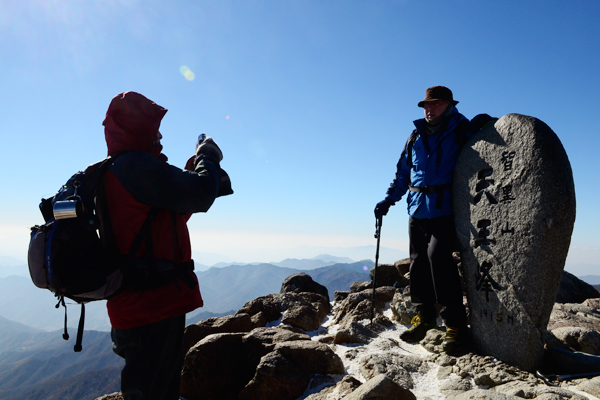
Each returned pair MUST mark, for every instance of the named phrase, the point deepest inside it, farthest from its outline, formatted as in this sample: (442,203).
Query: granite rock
(514,205)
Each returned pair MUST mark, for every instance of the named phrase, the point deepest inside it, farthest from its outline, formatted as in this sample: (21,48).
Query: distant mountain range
(39,365)
(591,279)
(224,290)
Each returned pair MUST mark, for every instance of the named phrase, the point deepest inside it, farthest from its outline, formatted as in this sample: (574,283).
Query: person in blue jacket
(425,170)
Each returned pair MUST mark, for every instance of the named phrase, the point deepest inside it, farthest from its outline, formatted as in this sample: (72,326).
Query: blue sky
(310,101)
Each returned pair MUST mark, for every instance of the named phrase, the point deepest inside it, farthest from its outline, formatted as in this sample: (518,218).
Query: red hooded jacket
(139,180)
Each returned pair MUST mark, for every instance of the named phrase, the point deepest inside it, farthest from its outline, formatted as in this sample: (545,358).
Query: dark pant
(433,273)
(153,359)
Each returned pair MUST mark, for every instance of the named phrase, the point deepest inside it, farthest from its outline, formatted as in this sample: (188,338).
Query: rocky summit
(514,206)
(295,345)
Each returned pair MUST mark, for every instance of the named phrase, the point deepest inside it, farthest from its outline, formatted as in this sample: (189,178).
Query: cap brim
(420,104)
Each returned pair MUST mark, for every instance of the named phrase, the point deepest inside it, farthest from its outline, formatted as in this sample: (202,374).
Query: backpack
(74,253)
(66,254)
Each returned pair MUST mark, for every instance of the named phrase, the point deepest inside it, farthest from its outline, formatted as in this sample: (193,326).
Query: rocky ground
(296,345)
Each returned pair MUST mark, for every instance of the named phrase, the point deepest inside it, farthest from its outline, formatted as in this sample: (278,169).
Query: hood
(131,124)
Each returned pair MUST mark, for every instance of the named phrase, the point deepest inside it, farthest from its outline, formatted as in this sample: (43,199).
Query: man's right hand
(209,148)
(382,208)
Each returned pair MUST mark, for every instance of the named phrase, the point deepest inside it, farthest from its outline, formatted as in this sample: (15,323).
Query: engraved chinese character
(507,195)
(483,233)
(506,230)
(483,182)
(507,160)
(484,282)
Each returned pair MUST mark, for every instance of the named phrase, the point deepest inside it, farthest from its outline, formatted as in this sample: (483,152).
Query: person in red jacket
(149,203)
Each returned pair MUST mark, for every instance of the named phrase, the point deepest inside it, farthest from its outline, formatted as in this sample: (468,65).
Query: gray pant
(153,359)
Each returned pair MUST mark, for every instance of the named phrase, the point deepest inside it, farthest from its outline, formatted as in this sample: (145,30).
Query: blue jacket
(430,167)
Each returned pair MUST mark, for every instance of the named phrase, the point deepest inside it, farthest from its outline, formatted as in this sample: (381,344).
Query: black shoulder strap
(408,147)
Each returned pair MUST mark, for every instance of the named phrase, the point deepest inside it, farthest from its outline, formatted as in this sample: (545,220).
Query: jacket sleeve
(401,181)
(158,184)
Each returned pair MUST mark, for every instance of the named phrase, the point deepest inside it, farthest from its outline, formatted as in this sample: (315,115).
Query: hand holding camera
(207,146)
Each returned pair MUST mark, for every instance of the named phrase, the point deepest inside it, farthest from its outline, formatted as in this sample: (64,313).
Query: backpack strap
(408,147)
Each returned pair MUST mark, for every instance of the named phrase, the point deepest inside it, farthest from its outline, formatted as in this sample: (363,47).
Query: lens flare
(365,267)
(187,73)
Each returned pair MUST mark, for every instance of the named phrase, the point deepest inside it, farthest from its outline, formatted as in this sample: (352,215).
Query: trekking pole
(378,223)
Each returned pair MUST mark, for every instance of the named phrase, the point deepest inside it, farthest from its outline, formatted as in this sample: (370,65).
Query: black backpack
(75,256)
(66,254)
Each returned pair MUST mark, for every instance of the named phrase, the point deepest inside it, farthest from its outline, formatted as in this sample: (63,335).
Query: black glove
(209,147)
(382,208)
(480,121)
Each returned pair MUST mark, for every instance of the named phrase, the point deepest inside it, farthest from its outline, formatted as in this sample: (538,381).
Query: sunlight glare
(187,73)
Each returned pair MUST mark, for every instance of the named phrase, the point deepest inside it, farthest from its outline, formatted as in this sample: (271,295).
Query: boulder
(304,310)
(574,290)
(354,332)
(584,340)
(269,305)
(584,315)
(403,309)
(346,386)
(221,365)
(591,386)
(395,366)
(357,287)
(286,372)
(301,282)
(480,394)
(514,206)
(229,324)
(488,371)
(380,388)
(215,368)
(358,306)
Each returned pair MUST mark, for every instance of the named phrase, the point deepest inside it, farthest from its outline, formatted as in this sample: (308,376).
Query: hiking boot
(417,331)
(456,340)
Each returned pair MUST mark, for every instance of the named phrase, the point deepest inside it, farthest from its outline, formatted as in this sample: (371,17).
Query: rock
(574,290)
(546,392)
(579,339)
(391,275)
(514,205)
(402,308)
(380,388)
(394,366)
(455,386)
(269,305)
(301,282)
(346,386)
(387,275)
(432,341)
(480,394)
(487,371)
(304,310)
(585,315)
(517,388)
(357,287)
(403,266)
(261,341)
(112,396)
(354,332)
(215,368)
(340,295)
(591,386)
(229,324)
(286,372)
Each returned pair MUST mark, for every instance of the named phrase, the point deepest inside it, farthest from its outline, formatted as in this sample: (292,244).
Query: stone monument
(514,204)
